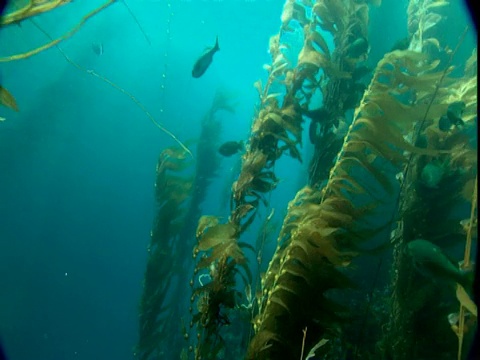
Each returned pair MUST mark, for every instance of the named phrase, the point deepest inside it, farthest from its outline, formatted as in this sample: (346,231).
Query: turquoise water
(77,162)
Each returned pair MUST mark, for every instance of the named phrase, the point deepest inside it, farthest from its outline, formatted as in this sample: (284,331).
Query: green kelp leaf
(7,99)
(311,353)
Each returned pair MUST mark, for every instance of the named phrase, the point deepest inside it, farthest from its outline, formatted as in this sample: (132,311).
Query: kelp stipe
(338,77)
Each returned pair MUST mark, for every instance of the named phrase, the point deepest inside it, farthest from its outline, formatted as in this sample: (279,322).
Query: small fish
(358,48)
(432,174)
(469,324)
(455,111)
(204,61)
(453,116)
(3,5)
(97,48)
(401,44)
(430,260)
(231,147)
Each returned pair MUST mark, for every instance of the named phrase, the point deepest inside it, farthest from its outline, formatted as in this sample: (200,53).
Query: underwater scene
(238,179)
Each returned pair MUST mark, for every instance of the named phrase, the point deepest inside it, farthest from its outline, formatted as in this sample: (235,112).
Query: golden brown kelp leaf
(206,221)
(215,235)
(7,99)
(299,273)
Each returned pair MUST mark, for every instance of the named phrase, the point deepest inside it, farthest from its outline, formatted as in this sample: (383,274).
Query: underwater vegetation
(373,254)
(29,9)
(392,158)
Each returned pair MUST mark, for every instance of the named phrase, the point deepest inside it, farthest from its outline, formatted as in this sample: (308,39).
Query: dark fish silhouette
(431,261)
(230,148)
(204,61)
(97,48)
(3,5)
(453,116)
(358,48)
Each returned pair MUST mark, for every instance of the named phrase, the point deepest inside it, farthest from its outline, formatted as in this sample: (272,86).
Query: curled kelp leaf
(206,221)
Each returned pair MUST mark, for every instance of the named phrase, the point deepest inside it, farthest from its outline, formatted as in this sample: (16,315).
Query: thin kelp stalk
(22,16)
(136,21)
(467,265)
(119,88)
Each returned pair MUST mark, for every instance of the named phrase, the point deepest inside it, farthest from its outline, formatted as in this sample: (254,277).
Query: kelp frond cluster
(327,234)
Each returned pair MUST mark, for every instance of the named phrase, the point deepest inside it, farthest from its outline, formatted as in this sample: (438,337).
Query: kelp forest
(392,156)
(390,191)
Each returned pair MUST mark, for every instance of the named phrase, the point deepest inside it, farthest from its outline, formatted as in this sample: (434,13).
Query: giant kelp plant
(431,189)
(165,256)
(179,192)
(405,161)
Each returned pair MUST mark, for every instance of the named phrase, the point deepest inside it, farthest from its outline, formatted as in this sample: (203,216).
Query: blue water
(77,163)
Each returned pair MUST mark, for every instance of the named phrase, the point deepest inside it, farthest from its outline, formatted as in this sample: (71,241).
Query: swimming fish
(431,260)
(358,48)
(453,116)
(97,48)
(204,61)
(230,148)
(432,174)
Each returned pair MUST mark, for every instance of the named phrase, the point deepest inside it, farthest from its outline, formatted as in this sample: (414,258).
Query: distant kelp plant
(158,309)
(180,188)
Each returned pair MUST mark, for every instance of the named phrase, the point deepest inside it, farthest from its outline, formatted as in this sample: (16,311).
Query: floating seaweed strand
(119,88)
(24,15)
(137,22)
